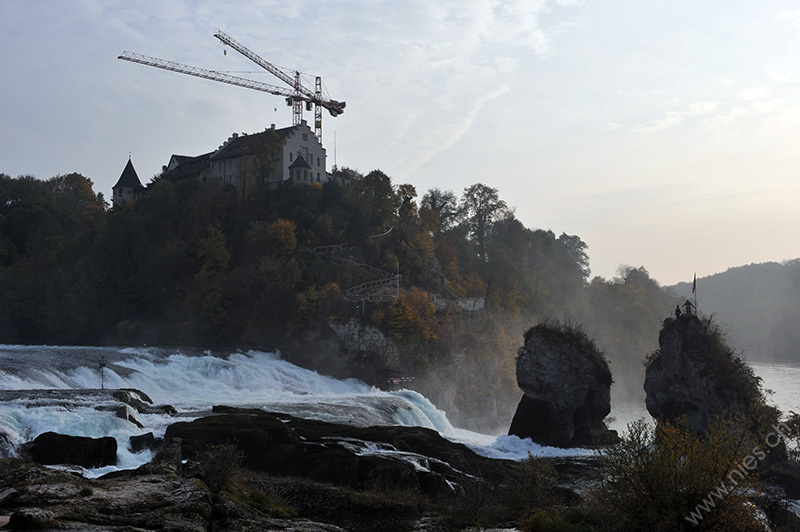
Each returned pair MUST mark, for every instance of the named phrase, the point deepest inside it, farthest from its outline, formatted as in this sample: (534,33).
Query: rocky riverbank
(250,470)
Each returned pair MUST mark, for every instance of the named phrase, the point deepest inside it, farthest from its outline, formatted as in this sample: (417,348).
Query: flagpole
(694,289)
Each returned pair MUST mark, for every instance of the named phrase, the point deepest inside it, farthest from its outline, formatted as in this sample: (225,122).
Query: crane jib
(295,95)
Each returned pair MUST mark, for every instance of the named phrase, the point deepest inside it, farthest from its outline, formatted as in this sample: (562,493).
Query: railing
(380,236)
(324,254)
(327,253)
(364,289)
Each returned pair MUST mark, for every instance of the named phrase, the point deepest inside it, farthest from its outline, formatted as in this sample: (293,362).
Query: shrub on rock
(694,373)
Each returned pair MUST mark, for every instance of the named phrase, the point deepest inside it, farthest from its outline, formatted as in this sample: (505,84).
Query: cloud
(442,62)
(674,118)
(720,124)
(452,134)
(757,93)
(792,18)
(784,77)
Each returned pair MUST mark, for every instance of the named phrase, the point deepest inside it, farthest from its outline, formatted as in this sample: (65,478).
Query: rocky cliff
(567,385)
(695,374)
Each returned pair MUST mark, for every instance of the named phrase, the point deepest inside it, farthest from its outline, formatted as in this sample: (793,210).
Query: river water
(781,381)
(193,381)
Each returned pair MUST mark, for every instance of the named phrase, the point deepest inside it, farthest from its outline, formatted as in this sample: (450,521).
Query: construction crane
(297,96)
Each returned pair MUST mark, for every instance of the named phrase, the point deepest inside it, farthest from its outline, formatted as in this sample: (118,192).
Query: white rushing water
(194,381)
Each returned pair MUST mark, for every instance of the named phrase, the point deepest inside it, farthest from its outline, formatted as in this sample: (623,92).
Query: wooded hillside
(202,264)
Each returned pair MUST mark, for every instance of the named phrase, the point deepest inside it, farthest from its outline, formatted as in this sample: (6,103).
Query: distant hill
(758,305)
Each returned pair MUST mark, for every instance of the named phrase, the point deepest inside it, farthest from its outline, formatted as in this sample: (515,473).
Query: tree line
(205,264)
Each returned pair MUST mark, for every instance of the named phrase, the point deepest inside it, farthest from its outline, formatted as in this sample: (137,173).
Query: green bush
(672,479)
(219,465)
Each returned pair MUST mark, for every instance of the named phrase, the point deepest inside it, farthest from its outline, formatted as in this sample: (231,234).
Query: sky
(664,134)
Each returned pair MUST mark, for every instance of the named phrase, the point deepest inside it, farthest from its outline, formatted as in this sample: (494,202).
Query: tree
(259,164)
(209,298)
(406,206)
(481,206)
(575,254)
(444,204)
(376,199)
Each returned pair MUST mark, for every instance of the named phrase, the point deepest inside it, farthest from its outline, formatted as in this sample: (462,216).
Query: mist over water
(778,379)
(195,381)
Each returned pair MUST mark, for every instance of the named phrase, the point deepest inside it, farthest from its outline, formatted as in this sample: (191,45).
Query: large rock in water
(694,374)
(52,448)
(416,459)
(567,385)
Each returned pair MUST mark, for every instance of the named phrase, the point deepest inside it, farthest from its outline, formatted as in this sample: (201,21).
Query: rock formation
(143,442)
(695,374)
(300,475)
(52,448)
(567,386)
(416,458)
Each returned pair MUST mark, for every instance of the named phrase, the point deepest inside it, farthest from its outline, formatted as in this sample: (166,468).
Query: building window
(305,136)
(317,161)
(290,156)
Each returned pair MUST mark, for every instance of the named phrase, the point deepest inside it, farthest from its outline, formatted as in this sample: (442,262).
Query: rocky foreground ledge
(288,473)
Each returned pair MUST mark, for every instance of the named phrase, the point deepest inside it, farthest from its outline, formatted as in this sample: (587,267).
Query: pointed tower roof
(129,178)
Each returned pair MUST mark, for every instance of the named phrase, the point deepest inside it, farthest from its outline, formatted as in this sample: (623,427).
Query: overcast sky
(664,134)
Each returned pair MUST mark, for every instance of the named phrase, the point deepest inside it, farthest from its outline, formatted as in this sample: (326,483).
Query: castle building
(301,158)
(128,187)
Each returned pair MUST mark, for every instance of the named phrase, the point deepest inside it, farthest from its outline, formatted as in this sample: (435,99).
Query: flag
(694,283)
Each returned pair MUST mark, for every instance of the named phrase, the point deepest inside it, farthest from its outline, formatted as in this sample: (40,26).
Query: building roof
(238,145)
(178,159)
(189,166)
(129,178)
(299,162)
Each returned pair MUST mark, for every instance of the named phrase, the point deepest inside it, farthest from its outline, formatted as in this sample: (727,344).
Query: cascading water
(193,382)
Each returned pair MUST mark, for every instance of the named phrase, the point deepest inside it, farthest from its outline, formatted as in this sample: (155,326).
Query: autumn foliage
(209,264)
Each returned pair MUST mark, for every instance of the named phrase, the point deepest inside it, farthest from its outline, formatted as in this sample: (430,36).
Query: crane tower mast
(296,96)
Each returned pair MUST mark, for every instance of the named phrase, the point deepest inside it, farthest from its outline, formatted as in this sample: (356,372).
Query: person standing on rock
(677,311)
(687,307)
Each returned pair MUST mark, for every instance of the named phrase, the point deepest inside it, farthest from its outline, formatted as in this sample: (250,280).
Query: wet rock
(168,460)
(163,409)
(567,386)
(7,494)
(6,445)
(786,475)
(131,500)
(415,458)
(30,518)
(144,442)
(125,412)
(52,448)
(134,398)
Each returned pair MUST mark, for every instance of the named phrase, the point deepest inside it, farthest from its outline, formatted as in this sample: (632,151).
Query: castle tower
(128,187)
